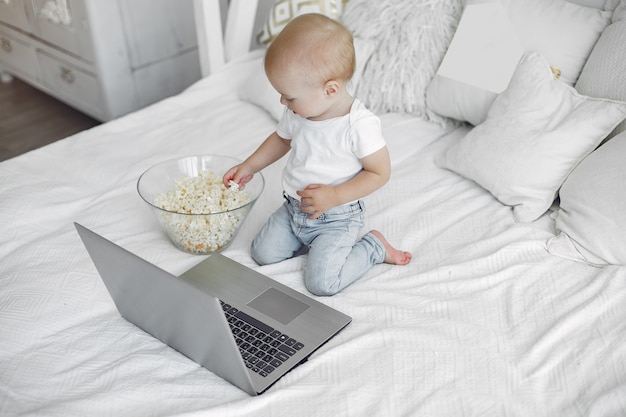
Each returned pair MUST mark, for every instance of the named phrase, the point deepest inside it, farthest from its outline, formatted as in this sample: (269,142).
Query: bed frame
(224,31)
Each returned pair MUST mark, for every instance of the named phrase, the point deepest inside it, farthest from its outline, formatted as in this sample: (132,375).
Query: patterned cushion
(284,10)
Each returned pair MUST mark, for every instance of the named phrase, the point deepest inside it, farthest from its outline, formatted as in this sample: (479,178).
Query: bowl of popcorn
(197,211)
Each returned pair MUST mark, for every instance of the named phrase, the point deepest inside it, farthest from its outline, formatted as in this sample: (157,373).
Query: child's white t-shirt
(328,151)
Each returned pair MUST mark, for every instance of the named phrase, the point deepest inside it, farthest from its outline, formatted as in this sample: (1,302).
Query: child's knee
(320,287)
(264,254)
(260,256)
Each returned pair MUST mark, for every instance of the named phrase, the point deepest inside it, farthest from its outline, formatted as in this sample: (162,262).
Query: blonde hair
(317,46)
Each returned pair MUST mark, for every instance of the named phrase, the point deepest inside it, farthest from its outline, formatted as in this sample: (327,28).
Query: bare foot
(392,255)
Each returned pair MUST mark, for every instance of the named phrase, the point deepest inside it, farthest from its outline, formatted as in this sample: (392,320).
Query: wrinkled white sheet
(483,322)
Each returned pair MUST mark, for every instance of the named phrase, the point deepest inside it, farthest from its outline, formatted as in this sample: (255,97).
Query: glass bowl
(197,212)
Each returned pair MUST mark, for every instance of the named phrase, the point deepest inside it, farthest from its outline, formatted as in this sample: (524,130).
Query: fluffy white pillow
(535,133)
(591,219)
(258,90)
(562,32)
(411,39)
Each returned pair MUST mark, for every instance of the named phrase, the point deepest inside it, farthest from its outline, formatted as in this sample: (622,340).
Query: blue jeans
(335,260)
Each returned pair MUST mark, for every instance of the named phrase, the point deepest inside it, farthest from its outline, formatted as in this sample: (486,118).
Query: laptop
(241,325)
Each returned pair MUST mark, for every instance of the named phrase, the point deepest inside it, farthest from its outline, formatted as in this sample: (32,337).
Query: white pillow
(535,133)
(562,32)
(591,219)
(478,64)
(258,90)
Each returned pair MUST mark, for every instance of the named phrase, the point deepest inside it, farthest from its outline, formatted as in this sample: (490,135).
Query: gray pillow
(591,220)
(603,73)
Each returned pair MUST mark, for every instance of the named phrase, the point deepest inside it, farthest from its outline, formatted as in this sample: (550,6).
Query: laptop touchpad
(278,305)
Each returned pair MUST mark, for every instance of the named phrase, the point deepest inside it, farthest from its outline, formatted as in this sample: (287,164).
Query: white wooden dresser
(103,57)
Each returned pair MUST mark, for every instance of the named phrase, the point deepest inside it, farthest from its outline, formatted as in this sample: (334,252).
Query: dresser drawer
(18,56)
(70,83)
(14,13)
(65,25)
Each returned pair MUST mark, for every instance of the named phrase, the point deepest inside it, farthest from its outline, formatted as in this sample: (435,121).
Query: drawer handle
(67,75)
(6,45)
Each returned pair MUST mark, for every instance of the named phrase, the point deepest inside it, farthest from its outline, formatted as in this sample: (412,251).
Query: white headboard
(225,29)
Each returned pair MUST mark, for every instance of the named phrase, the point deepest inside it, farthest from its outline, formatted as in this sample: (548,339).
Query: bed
(507,189)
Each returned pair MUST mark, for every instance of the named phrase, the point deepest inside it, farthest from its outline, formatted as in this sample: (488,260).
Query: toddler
(338,156)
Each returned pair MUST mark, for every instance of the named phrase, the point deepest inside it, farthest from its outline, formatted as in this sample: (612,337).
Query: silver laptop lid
(169,308)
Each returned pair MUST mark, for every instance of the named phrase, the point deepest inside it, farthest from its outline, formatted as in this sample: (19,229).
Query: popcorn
(201,215)
(233,185)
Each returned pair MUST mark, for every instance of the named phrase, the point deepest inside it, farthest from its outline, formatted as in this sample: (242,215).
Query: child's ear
(331,87)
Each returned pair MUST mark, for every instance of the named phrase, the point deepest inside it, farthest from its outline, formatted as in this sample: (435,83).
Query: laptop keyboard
(262,348)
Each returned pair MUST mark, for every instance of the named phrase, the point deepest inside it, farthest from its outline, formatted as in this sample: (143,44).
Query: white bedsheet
(483,322)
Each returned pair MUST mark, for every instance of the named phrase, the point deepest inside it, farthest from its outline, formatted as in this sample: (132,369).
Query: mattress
(483,321)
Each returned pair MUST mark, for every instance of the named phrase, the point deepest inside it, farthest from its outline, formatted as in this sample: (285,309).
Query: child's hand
(317,198)
(240,174)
